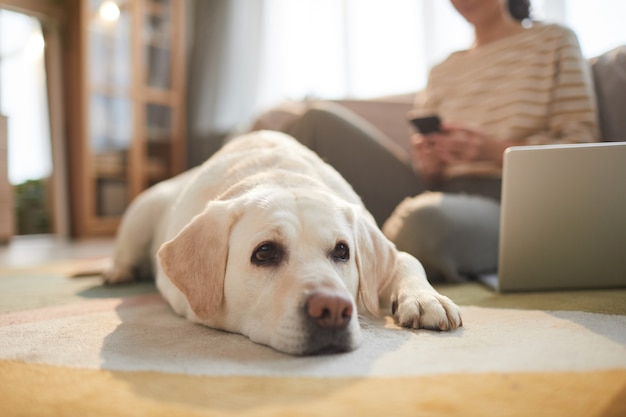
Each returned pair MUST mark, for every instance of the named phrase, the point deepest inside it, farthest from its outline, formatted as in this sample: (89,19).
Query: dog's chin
(317,340)
(307,339)
(330,342)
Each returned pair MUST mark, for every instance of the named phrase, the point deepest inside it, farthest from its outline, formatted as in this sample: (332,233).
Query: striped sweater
(533,86)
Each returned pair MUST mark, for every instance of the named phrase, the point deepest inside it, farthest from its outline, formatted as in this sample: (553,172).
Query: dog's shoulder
(288,159)
(265,153)
(261,139)
(262,158)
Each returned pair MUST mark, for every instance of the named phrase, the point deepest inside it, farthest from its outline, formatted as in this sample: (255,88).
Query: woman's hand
(455,143)
(425,158)
(462,143)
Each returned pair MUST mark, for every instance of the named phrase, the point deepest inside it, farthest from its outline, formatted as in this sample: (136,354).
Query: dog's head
(287,268)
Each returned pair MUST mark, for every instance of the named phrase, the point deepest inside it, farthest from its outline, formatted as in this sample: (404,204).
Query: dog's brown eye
(341,252)
(267,254)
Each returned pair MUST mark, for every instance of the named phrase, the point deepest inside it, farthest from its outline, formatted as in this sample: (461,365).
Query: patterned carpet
(69,346)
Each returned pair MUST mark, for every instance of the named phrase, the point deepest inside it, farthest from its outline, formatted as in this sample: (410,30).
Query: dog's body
(267,240)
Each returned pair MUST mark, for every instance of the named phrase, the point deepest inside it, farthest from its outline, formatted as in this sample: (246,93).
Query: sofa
(388,114)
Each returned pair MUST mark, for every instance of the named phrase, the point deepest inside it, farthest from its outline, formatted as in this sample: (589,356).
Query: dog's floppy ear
(195,260)
(375,258)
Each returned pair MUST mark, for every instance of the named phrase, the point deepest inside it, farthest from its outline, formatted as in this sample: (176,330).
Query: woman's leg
(378,170)
(483,187)
(453,235)
(453,232)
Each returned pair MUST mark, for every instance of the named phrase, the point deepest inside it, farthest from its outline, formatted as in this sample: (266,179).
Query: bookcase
(128,131)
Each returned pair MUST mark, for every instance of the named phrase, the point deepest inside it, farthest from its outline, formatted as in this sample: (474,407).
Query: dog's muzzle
(327,319)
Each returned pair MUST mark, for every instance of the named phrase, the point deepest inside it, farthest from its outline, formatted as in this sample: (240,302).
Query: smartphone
(427,124)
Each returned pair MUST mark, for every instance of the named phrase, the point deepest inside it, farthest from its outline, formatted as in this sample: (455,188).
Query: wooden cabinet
(129,131)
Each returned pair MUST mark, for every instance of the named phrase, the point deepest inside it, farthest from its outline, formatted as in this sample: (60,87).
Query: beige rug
(73,347)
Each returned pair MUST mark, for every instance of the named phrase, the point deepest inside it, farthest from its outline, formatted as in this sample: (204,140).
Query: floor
(24,251)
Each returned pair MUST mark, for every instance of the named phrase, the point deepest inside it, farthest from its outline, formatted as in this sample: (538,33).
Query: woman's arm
(571,118)
(425,158)
(573,114)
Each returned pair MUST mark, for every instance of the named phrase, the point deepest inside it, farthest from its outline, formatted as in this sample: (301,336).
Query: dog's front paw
(427,310)
(116,275)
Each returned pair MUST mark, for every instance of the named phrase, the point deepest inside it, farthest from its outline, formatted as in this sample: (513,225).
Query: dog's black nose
(329,310)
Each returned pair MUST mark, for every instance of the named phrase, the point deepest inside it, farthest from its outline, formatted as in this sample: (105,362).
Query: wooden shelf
(126,69)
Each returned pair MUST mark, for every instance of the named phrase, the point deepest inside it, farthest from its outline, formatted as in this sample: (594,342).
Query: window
(23,97)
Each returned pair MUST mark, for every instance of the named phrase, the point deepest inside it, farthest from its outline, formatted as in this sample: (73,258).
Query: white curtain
(353,48)
(222,71)
(247,55)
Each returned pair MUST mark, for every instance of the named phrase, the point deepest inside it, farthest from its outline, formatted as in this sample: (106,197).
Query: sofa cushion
(609,76)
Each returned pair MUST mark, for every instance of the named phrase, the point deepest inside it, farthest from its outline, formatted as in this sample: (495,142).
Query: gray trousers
(376,167)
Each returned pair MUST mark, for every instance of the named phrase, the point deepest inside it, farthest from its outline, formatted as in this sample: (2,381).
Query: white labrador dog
(267,240)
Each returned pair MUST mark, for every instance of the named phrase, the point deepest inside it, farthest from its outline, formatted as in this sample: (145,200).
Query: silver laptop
(563,219)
